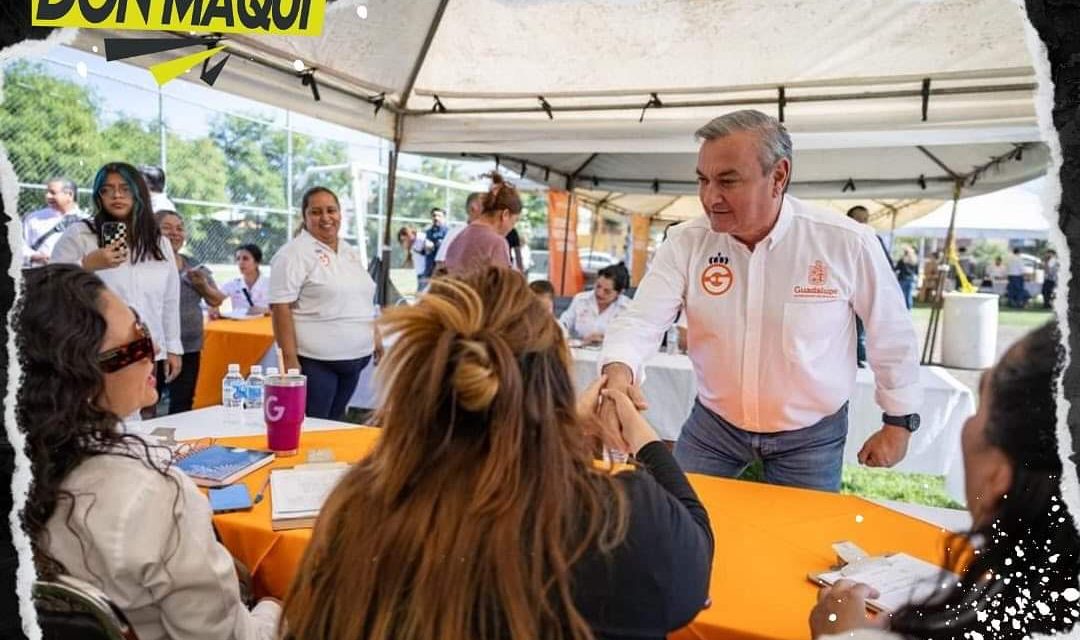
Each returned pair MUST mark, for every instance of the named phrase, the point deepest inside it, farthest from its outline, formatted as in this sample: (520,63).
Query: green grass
(1026,318)
(884,484)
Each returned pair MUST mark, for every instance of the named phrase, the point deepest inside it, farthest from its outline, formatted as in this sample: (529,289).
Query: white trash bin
(969,332)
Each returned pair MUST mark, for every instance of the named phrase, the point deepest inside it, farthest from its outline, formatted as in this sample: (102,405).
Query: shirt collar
(783,223)
(319,243)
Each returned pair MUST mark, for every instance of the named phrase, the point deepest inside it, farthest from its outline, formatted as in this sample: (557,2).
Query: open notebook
(297,494)
(899,578)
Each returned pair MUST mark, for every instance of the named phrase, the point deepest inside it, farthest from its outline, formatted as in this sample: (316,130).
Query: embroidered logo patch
(717,278)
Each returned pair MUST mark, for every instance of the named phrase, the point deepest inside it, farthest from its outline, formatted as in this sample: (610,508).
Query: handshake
(611,410)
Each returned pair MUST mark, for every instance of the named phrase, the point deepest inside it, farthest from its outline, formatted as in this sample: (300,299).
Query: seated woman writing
(1025,548)
(483,513)
(590,312)
(106,507)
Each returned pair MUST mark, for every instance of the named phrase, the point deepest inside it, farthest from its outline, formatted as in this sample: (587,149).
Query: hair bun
(475,381)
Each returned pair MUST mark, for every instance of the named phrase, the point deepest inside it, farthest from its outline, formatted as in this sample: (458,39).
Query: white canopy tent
(885,99)
(1013,213)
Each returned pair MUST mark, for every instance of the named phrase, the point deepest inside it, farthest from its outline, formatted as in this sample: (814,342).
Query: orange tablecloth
(224,341)
(767,540)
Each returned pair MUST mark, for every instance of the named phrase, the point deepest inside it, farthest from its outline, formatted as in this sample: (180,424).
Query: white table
(210,422)
(670,388)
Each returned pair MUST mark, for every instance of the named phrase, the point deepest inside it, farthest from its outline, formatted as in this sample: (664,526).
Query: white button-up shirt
(331,295)
(151,287)
(584,318)
(771,332)
(41,224)
(259,292)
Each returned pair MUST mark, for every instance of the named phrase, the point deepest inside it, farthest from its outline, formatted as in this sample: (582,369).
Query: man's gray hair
(67,184)
(774,142)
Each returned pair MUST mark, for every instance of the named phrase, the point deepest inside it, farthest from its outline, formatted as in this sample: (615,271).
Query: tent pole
(384,265)
(938,299)
(566,233)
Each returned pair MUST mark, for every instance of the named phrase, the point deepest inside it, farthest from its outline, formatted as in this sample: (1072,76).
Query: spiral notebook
(216,465)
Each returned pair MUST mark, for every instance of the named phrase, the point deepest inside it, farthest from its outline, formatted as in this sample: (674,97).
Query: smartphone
(234,497)
(114,232)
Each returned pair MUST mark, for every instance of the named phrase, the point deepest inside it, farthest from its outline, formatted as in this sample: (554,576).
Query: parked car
(593,261)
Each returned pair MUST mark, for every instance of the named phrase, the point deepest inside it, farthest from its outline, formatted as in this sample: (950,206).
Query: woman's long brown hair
(465,520)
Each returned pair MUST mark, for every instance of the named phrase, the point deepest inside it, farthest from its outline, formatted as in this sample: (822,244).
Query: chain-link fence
(236,169)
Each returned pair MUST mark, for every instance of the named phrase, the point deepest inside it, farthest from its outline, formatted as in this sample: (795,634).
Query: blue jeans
(811,457)
(1016,294)
(330,384)
(906,285)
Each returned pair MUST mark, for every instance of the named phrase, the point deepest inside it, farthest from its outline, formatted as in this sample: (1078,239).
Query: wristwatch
(909,422)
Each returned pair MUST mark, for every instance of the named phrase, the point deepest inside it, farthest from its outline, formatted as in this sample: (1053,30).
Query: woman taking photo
(323,309)
(137,263)
(196,286)
(483,514)
(104,506)
(483,243)
(250,293)
(1026,548)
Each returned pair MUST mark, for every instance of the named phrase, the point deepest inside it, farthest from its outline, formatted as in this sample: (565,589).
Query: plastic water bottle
(232,393)
(673,339)
(253,392)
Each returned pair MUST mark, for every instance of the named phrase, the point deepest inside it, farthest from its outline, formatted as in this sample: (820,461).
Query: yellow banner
(259,17)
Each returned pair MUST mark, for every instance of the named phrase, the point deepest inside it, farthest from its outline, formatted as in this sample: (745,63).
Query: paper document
(899,578)
(299,493)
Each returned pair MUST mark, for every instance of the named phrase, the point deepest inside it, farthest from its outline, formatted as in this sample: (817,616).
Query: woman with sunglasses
(138,265)
(105,506)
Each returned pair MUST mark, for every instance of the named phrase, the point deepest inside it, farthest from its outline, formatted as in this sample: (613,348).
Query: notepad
(239,314)
(297,494)
(899,578)
(216,465)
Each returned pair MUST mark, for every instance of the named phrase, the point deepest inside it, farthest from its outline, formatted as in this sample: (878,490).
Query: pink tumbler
(283,407)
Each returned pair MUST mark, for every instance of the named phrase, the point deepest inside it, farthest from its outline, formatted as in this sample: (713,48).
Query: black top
(657,580)
(905,270)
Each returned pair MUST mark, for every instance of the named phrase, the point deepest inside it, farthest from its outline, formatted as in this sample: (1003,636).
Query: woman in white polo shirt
(322,301)
(589,312)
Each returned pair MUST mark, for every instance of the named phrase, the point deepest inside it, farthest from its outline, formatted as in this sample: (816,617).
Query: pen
(259,496)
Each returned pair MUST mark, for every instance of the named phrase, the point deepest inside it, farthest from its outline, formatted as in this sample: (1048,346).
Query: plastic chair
(70,608)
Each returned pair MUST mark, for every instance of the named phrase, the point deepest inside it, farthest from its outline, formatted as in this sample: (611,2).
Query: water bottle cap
(256,369)
(294,372)
(271,371)
(234,368)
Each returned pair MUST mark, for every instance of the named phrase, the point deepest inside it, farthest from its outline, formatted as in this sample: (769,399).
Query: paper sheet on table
(296,493)
(899,578)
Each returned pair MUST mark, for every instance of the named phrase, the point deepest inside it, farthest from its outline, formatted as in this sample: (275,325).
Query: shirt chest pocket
(811,328)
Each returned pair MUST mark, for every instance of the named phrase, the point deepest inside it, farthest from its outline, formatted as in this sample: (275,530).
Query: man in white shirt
(43,228)
(155,181)
(770,288)
(1016,294)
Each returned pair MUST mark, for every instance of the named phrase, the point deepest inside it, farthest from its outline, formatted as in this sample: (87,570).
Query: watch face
(913,423)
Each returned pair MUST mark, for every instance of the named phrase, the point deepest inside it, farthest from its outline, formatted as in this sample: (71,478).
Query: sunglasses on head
(139,349)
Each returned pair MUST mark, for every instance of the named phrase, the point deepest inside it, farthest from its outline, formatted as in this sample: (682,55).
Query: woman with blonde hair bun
(480,512)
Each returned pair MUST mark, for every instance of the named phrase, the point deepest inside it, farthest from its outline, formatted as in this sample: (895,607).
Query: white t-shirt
(1014,265)
(259,292)
(583,317)
(331,295)
(152,287)
(40,224)
(772,331)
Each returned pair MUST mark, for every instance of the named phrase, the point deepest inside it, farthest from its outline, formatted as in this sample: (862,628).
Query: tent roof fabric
(852,73)
(1014,213)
